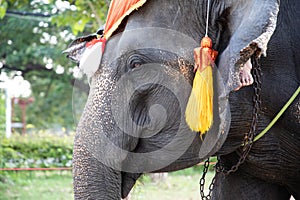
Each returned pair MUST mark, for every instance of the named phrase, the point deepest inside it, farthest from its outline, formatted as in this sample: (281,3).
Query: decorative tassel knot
(204,55)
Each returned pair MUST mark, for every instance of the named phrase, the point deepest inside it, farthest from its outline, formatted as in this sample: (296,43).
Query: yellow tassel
(199,111)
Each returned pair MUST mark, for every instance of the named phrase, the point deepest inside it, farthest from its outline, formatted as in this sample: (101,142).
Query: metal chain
(202,182)
(248,138)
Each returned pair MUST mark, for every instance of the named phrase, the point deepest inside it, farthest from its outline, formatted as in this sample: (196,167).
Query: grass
(36,185)
(182,185)
(174,187)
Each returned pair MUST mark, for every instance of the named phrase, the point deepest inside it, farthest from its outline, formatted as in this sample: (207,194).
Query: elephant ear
(78,46)
(251,25)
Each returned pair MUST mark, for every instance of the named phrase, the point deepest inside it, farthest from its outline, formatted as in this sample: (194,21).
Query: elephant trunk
(100,145)
(93,179)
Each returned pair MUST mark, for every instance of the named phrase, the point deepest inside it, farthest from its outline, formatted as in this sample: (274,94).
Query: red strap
(94,41)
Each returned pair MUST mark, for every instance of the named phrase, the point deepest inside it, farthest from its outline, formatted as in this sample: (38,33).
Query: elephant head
(133,121)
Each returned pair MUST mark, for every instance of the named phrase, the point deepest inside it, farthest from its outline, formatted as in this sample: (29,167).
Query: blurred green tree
(33,35)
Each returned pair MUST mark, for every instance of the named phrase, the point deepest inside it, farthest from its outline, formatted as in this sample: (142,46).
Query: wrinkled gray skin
(272,169)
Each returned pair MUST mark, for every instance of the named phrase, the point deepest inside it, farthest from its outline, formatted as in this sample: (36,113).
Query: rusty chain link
(248,137)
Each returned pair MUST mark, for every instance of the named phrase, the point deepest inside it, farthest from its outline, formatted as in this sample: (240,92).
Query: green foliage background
(2,114)
(39,150)
(33,34)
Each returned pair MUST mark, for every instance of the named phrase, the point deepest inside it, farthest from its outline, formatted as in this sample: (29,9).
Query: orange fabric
(118,10)
(204,56)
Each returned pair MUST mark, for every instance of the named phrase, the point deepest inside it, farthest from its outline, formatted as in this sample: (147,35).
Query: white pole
(8,112)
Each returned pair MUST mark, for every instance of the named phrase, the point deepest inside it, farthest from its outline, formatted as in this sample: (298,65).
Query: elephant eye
(135,61)
(136,65)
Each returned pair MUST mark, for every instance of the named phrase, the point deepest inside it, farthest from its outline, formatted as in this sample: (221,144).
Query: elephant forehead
(151,37)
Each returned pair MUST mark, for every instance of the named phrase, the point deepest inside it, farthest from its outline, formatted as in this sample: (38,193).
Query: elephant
(134,119)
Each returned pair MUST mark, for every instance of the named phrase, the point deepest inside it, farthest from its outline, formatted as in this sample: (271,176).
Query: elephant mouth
(128,181)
